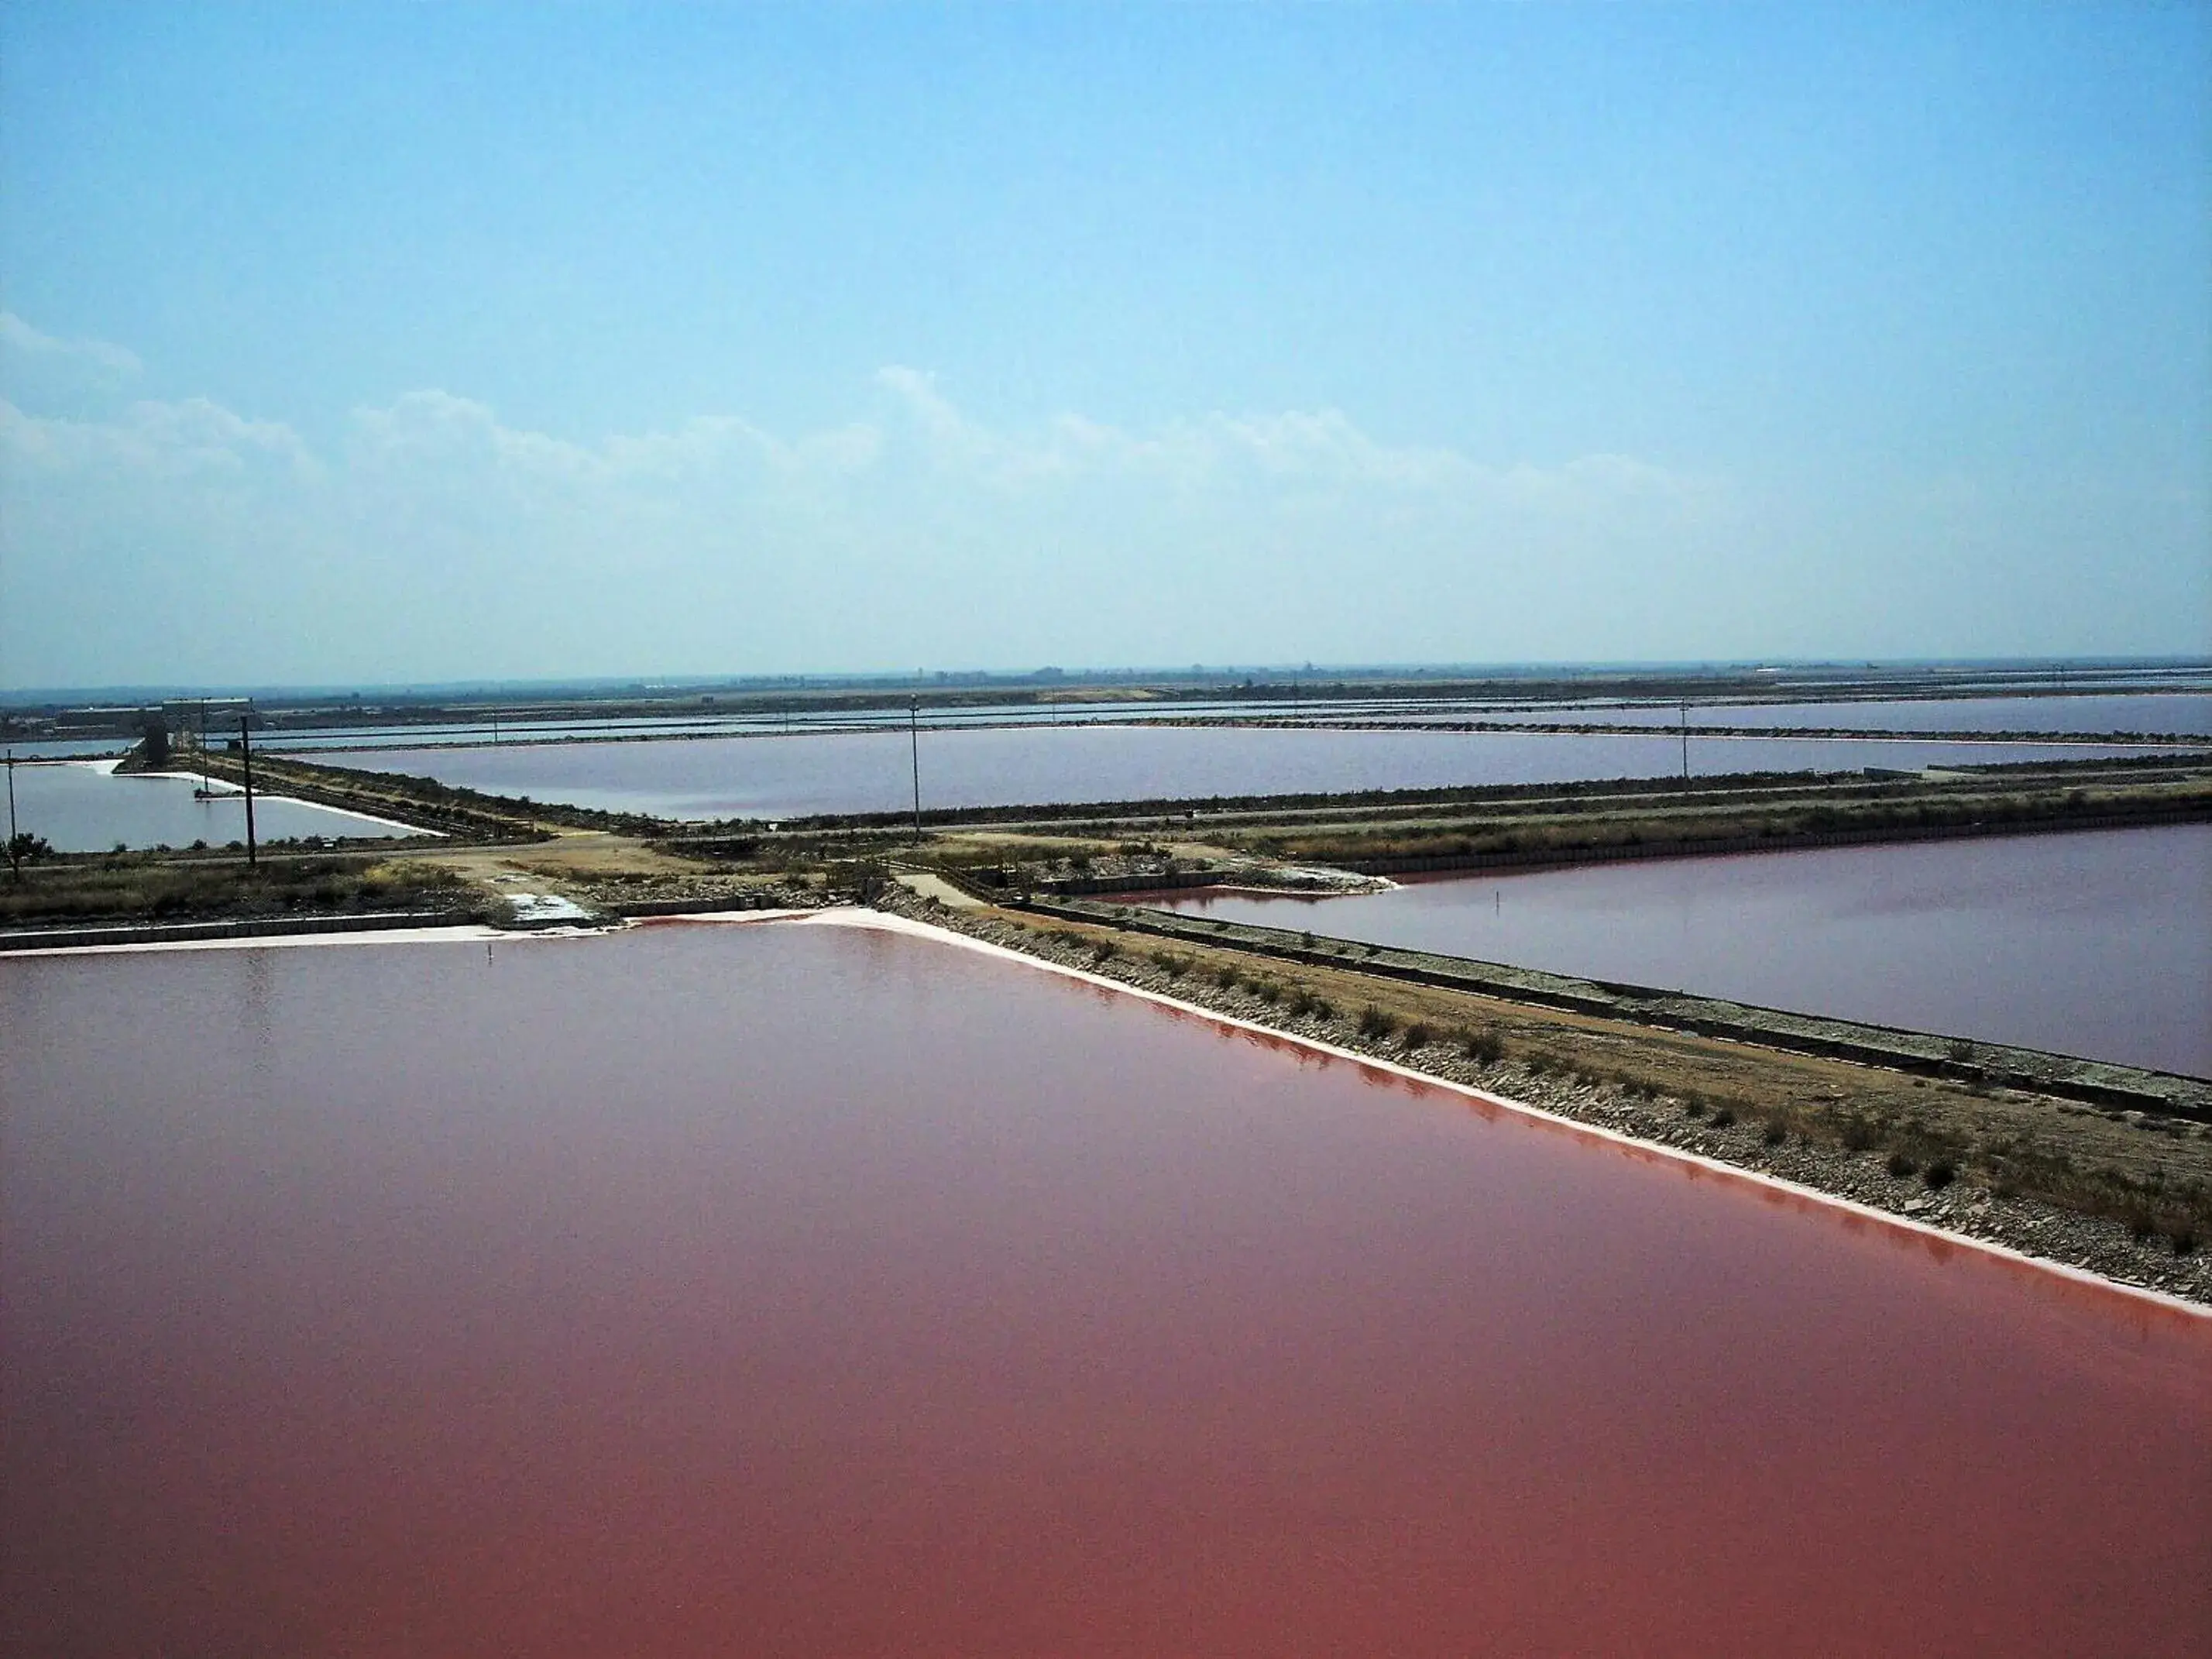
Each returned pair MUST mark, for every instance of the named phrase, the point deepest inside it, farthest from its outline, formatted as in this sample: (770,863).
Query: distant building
(184,714)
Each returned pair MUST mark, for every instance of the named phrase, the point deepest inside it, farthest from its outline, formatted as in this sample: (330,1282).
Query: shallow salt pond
(80,807)
(782,777)
(2186,714)
(2097,944)
(2179,712)
(794,1289)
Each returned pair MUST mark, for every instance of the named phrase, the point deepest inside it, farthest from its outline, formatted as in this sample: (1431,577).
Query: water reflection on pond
(779,777)
(2097,944)
(794,1289)
(80,808)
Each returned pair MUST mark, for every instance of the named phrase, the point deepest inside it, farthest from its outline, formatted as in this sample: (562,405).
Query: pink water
(2097,944)
(793,1291)
(2188,713)
(782,777)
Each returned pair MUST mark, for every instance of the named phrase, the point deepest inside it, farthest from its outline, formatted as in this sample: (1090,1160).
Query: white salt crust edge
(464,933)
(878,922)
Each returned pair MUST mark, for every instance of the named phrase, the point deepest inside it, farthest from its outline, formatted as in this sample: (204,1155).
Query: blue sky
(397,341)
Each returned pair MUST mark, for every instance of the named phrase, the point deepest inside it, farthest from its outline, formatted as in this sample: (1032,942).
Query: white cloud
(18,339)
(451,542)
(191,437)
(1301,449)
(183,540)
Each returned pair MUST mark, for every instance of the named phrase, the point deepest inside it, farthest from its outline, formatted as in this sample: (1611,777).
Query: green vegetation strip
(136,889)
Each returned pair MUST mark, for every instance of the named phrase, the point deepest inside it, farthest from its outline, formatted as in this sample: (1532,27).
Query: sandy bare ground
(923,885)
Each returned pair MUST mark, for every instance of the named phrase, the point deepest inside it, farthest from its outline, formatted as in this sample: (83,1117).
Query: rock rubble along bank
(2096,1083)
(2127,1196)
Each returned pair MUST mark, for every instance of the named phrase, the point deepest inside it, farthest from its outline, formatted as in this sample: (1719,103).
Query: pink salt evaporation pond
(794,1290)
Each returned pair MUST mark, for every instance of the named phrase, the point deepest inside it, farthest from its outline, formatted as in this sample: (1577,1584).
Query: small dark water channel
(791,1290)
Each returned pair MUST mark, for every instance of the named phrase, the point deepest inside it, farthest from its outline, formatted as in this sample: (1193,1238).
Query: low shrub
(1774,1134)
(1901,1164)
(1939,1175)
(1484,1045)
(1722,1117)
(1374,1023)
(1418,1036)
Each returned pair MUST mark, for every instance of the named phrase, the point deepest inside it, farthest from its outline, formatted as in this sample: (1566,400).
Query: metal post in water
(1685,744)
(14,867)
(913,743)
(246,753)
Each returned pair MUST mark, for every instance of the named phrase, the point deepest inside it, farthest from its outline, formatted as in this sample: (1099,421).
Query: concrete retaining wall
(179,932)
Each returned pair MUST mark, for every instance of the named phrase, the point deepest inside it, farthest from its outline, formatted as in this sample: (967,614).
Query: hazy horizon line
(1093,674)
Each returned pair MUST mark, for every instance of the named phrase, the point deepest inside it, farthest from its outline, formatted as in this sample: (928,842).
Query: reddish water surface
(780,777)
(795,1290)
(2188,713)
(2097,944)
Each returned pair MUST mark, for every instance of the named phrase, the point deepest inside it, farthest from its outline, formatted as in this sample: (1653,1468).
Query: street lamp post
(914,745)
(246,755)
(14,867)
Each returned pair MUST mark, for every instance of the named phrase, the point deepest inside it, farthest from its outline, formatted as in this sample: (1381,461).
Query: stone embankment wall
(182,932)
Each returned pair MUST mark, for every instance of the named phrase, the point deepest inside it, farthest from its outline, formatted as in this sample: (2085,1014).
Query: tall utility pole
(913,744)
(1685,744)
(246,752)
(14,867)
